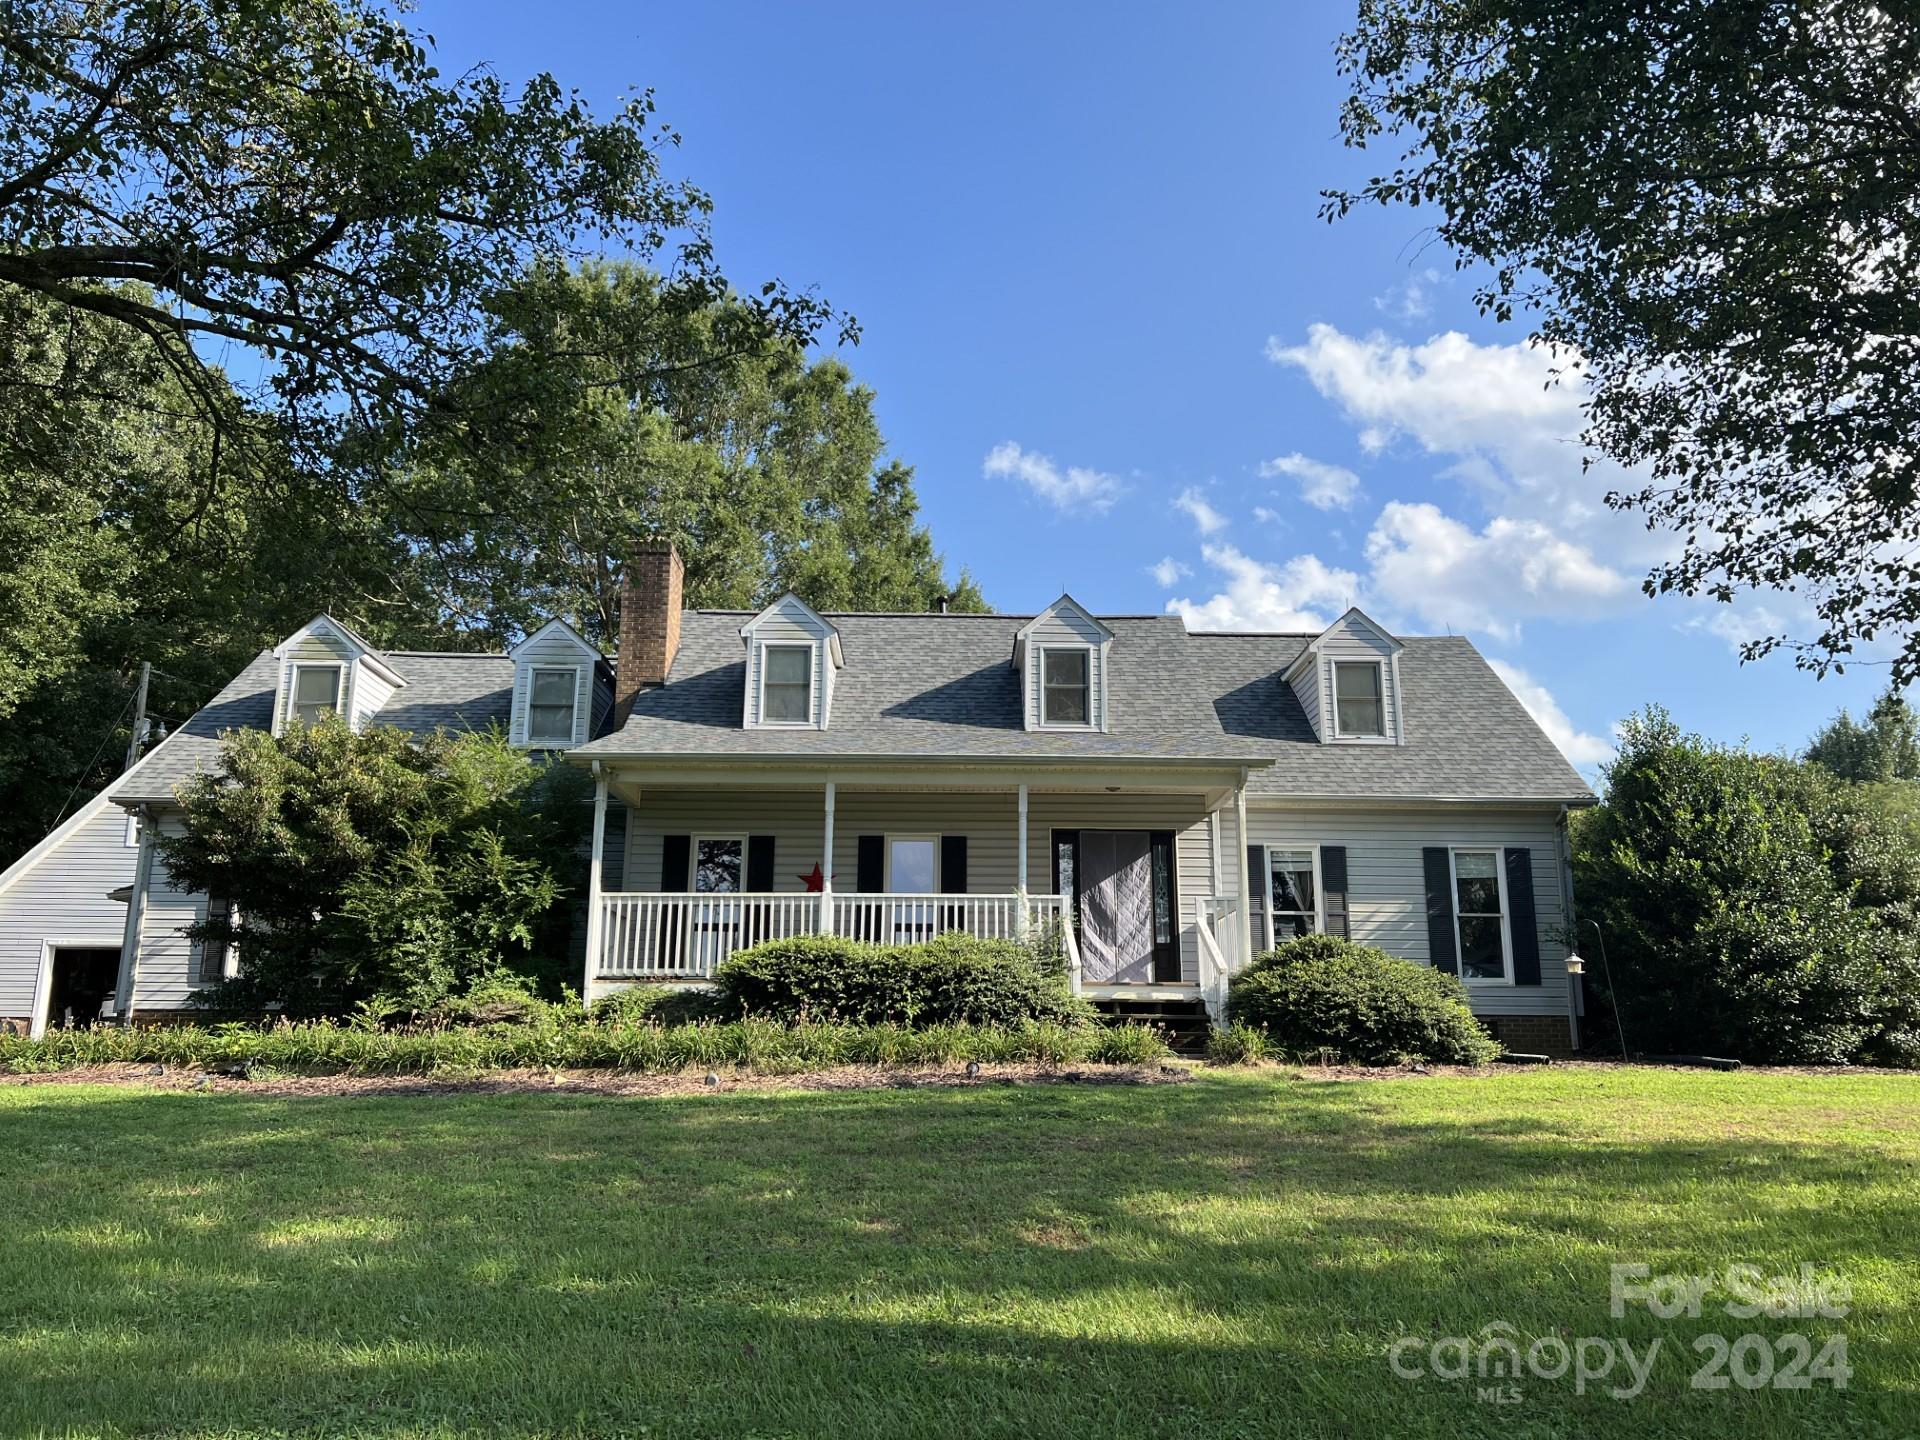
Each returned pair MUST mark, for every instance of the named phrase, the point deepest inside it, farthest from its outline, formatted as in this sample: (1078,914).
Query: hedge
(951,980)
(1322,993)
(326,1047)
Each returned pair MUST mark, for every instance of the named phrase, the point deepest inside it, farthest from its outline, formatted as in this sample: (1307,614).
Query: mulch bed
(609,1082)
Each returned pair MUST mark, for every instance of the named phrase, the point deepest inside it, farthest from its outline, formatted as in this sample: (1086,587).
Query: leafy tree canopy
(1711,204)
(1885,747)
(298,179)
(630,417)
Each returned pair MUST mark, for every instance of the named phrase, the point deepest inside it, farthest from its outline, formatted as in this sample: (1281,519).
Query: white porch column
(129,975)
(1020,914)
(1245,926)
(826,867)
(595,922)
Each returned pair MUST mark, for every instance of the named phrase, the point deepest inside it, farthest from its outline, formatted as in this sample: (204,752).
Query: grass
(1228,1257)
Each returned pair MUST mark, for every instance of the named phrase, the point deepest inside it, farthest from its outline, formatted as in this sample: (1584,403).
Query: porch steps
(1183,1022)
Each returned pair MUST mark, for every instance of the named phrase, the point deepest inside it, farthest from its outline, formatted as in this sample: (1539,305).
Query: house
(89,921)
(1172,803)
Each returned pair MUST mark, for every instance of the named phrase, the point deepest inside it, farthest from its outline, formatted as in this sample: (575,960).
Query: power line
(87,770)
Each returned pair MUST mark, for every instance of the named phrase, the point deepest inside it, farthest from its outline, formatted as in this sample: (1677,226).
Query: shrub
(1321,992)
(1752,906)
(1238,1044)
(323,1047)
(378,865)
(954,979)
(661,1005)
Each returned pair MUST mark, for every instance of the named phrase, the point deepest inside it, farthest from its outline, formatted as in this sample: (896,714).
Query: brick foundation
(1532,1034)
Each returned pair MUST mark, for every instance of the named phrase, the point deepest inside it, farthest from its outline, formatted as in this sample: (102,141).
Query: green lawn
(1233,1256)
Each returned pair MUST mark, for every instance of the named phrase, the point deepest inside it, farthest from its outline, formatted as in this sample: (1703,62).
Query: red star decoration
(815,879)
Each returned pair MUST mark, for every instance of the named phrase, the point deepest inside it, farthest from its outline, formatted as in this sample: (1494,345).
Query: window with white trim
(1066,685)
(913,869)
(1479,914)
(315,693)
(719,865)
(786,685)
(552,695)
(1359,699)
(1292,894)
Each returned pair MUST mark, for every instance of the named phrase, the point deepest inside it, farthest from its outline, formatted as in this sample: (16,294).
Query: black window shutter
(1333,886)
(760,864)
(1440,945)
(676,863)
(871,875)
(1526,933)
(953,864)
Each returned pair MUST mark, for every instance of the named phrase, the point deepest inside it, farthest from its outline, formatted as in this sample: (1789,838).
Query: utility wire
(88,770)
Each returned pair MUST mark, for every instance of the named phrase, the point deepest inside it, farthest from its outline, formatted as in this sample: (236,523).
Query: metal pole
(1612,994)
(139,716)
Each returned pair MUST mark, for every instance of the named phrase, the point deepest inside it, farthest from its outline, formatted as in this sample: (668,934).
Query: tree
(1752,906)
(1710,205)
(298,179)
(1886,747)
(379,866)
(767,468)
(122,542)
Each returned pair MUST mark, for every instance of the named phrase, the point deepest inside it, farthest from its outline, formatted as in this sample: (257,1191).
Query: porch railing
(683,936)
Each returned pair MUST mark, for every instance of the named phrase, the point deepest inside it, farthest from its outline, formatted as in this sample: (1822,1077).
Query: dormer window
(1066,686)
(793,654)
(1359,700)
(550,706)
(786,696)
(315,693)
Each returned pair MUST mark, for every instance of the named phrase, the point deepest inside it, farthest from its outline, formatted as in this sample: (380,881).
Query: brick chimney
(649,622)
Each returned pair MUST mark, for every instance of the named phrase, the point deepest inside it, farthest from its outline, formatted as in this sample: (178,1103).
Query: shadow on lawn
(1005,1260)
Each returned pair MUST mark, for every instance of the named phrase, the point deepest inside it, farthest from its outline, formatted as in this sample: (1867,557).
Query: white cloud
(1074,489)
(1302,594)
(1431,565)
(1266,516)
(1168,572)
(1323,486)
(1203,515)
(1579,746)
(1738,624)
(1411,299)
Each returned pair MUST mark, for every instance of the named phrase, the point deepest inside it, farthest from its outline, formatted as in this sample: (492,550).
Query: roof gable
(791,608)
(1064,611)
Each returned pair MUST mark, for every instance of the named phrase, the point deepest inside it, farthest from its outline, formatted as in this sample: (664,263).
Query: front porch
(1126,880)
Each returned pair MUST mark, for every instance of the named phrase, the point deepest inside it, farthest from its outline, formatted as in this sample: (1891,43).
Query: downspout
(1562,843)
(129,974)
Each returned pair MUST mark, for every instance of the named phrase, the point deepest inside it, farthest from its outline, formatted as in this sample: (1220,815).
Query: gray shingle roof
(454,692)
(1467,737)
(943,686)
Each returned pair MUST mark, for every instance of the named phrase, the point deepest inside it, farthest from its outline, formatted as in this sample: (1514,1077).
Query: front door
(1116,907)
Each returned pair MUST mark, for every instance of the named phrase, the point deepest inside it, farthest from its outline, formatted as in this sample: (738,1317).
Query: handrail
(680,935)
(1212,973)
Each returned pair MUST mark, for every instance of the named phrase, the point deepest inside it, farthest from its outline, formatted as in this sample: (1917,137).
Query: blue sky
(1125,357)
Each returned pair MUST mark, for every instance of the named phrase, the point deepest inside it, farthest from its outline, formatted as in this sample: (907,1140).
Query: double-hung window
(316,692)
(1066,686)
(1359,701)
(1479,914)
(1293,898)
(786,685)
(551,697)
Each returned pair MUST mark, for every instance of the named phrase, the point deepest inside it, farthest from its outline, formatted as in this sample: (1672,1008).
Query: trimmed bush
(951,980)
(661,1005)
(323,1047)
(1321,993)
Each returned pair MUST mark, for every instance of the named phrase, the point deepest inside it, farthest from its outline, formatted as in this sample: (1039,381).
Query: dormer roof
(323,623)
(791,607)
(1353,618)
(1065,608)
